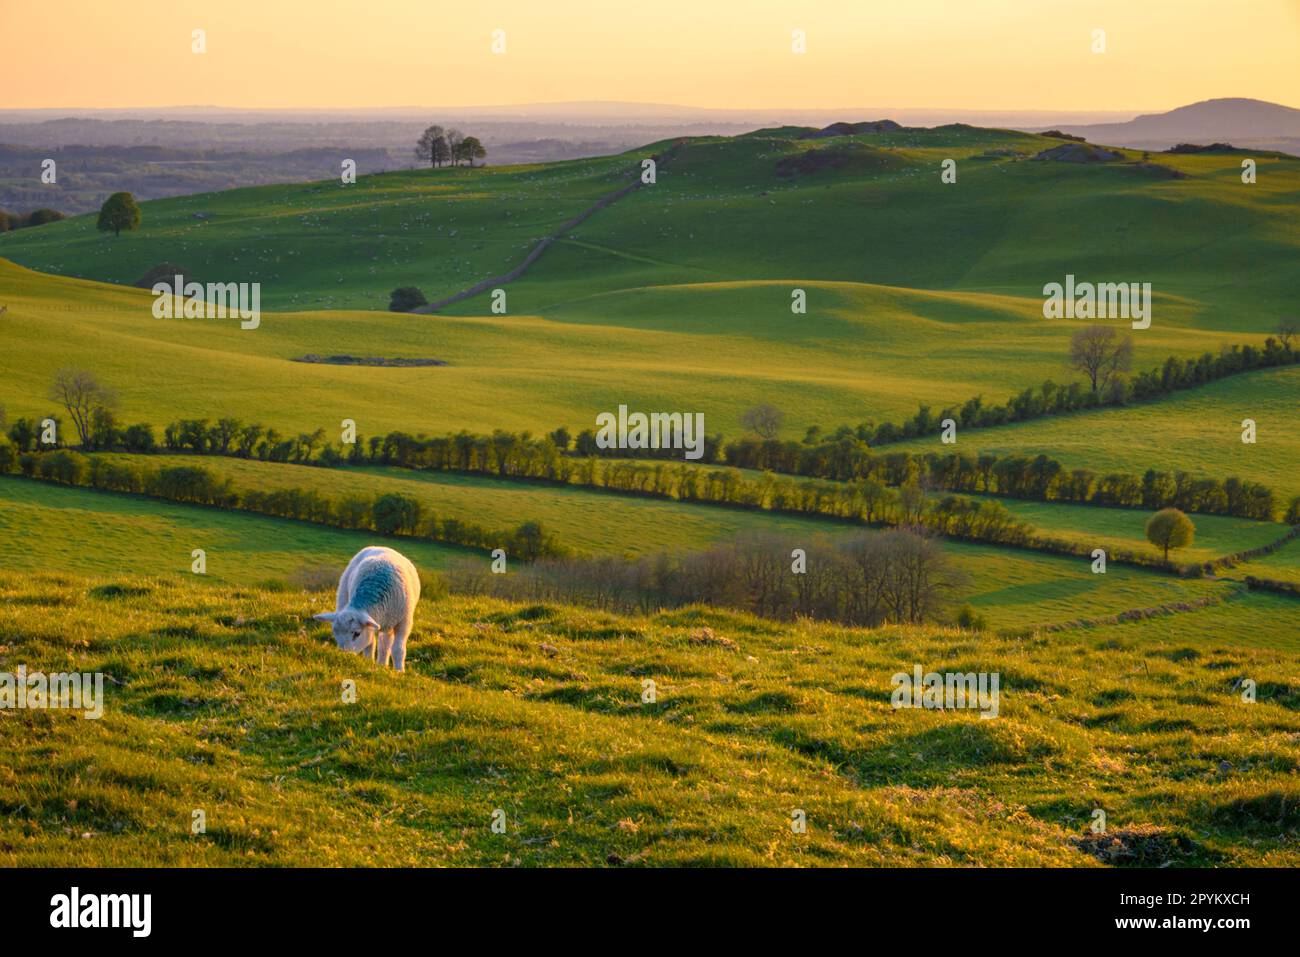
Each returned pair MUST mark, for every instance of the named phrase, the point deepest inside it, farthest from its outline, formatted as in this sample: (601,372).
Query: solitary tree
(1287,330)
(471,149)
(82,395)
(764,419)
(1170,528)
(119,212)
(1100,352)
(432,146)
(405,298)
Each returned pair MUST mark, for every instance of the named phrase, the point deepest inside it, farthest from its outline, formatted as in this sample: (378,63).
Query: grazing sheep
(375,605)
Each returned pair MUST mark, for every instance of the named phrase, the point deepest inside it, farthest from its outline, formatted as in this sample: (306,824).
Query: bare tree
(454,138)
(764,419)
(432,145)
(1100,352)
(1287,330)
(81,394)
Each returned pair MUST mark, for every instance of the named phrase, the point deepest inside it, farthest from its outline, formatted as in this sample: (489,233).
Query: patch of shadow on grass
(45,601)
(1111,696)
(1142,845)
(113,591)
(1276,692)
(1266,814)
(242,842)
(642,761)
(769,702)
(1167,725)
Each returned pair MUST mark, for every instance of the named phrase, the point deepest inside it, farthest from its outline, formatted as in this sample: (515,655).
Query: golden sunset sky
(333,54)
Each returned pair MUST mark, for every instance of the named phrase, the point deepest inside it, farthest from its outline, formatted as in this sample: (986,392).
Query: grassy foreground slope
(229,701)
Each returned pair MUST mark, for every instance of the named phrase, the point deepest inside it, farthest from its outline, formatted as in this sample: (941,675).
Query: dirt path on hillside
(542,244)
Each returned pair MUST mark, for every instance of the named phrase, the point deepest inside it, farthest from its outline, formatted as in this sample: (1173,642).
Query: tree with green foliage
(1170,528)
(39,217)
(471,149)
(405,298)
(396,514)
(119,212)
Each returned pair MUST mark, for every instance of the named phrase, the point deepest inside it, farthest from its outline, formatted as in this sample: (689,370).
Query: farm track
(544,243)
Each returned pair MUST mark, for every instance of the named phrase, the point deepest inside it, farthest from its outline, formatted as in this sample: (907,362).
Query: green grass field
(1282,565)
(1110,528)
(229,700)
(104,533)
(1198,431)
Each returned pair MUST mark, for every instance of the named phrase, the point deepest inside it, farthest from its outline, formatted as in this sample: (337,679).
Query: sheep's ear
(326,616)
(371,622)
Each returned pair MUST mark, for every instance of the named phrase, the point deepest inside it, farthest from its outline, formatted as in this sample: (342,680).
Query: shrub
(406,298)
(968,619)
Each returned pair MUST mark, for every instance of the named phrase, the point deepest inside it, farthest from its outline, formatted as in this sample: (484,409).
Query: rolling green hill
(675,296)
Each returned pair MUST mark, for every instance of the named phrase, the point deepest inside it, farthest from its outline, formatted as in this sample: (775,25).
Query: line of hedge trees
(888,488)
(1173,375)
(391,513)
(954,516)
(844,458)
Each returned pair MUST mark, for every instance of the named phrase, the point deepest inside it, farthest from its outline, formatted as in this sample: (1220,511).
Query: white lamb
(376,602)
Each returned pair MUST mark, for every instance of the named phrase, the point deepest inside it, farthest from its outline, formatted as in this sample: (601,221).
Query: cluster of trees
(37,217)
(387,514)
(438,147)
(867,579)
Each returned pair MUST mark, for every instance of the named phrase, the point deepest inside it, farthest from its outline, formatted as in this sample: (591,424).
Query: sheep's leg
(383,647)
(400,634)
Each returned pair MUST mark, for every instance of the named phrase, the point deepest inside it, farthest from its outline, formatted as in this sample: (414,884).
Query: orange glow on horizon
(734,54)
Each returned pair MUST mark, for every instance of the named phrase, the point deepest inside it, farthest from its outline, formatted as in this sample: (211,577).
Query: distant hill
(1245,123)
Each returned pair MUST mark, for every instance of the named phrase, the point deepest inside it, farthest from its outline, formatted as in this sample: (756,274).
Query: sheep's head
(353,630)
